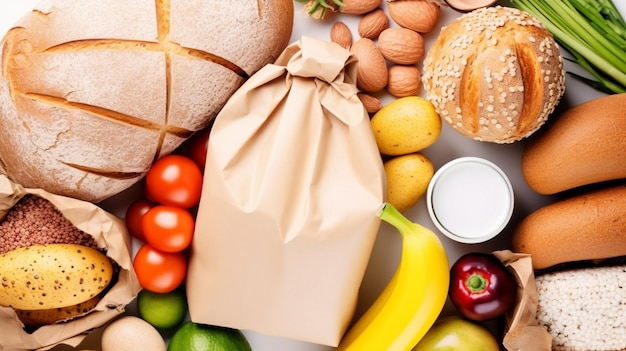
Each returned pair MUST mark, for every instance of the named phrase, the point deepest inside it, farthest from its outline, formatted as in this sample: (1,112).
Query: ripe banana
(414,297)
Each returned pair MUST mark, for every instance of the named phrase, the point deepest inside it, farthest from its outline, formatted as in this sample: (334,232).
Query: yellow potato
(50,276)
(53,315)
(406,125)
(407,179)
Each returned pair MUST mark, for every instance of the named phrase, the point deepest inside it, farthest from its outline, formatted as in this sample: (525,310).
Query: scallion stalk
(593,31)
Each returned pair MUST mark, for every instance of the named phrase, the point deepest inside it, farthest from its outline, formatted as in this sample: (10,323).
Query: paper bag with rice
(90,226)
(287,218)
(523,332)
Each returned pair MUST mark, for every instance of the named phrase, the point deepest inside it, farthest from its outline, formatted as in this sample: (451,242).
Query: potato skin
(51,276)
(407,179)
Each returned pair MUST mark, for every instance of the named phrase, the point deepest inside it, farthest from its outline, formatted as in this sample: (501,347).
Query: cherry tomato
(134,215)
(159,271)
(198,147)
(174,180)
(168,228)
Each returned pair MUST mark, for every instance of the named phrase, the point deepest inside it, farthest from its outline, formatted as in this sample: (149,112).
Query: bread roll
(588,226)
(92,92)
(585,144)
(494,74)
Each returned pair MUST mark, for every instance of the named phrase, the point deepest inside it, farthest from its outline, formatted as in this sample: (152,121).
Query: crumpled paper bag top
(287,218)
(109,232)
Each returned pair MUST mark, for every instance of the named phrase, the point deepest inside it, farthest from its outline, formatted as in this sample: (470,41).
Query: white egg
(131,333)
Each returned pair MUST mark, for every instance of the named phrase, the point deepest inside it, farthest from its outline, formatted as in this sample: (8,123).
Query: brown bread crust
(494,74)
(584,145)
(584,227)
(92,92)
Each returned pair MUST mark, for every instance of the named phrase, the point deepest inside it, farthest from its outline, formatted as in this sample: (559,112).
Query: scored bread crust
(494,74)
(93,92)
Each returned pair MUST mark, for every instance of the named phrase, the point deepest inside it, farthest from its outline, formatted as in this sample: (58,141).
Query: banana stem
(391,215)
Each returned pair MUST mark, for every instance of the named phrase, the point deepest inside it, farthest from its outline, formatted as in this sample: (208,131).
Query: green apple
(454,333)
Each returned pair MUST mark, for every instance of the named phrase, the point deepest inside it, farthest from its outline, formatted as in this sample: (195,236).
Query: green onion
(592,31)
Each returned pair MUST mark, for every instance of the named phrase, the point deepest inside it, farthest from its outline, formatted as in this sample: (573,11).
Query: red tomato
(174,180)
(134,215)
(198,147)
(159,271)
(168,228)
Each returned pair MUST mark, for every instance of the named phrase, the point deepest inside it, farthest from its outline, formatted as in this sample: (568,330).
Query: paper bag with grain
(287,218)
(17,333)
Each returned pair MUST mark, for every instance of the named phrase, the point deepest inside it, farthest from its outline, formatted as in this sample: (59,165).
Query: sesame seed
(487,30)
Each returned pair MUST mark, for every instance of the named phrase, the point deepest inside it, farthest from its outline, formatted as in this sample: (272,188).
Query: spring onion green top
(592,31)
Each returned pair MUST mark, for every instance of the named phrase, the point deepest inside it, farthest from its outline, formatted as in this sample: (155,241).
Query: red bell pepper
(481,287)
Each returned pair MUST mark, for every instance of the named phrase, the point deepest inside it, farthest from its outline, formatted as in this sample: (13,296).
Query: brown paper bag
(523,331)
(287,218)
(110,233)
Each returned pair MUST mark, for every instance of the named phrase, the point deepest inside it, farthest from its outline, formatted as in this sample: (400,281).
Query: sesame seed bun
(494,74)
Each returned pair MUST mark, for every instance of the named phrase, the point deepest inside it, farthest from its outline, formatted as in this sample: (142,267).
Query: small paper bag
(523,332)
(110,233)
(287,218)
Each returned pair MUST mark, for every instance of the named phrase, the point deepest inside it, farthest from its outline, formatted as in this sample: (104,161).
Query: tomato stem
(476,283)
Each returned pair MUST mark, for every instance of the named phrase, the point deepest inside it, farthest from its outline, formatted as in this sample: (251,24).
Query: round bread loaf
(494,74)
(93,92)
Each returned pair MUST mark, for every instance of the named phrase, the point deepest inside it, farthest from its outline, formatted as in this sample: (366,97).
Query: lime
(201,337)
(162,310)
